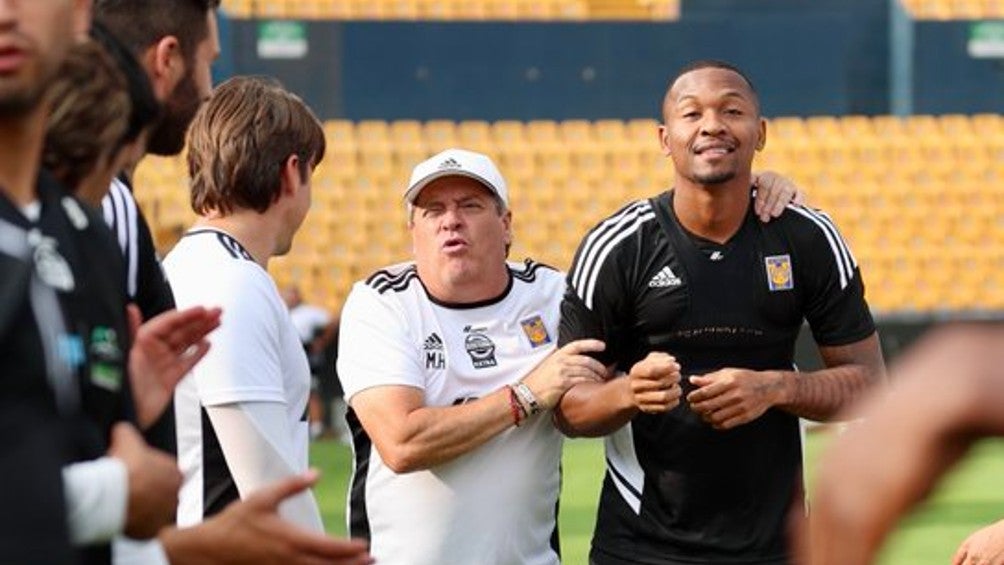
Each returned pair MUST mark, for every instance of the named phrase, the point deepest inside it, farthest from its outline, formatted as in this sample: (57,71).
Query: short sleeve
(596,299)
(243,363)
(374,348)
(835,305)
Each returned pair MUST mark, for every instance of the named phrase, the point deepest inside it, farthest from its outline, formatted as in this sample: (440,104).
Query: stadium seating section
(955,9)
(456,9)
(656,10)
(921,199)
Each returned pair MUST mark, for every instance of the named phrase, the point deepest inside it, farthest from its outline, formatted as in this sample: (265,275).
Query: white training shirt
(496,504)
(254,380)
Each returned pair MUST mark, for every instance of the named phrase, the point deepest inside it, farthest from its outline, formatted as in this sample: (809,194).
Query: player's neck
(713,212)
(22,149)
(252,230)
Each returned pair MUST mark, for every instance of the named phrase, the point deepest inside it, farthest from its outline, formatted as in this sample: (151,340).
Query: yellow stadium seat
(664,10)
(406,158)
(857,125)
(536,9)
(238,8)
(369,132)
(402,9)
(588,160)
(471,10)
(476,135)
(440,135)
(889,126)
(368,10)
(340,161)
(786,128)
(572,10)
(644,132)
(377,162)
(406,131)
(922,124)
(822,126)
(546,131)
(610,131)
(984,123)
(501,9)
(554,161)
(508,132)
(436,9)
(474,131)
(340,132)
(968,9)
(518,161)
(955,124)
(576,131)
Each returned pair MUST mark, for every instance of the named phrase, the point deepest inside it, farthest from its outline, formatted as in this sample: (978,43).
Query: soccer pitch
(972,496)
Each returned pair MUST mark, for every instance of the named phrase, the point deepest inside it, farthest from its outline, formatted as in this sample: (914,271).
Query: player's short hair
(710,64)
(240,141)
(88,115)
(142,23)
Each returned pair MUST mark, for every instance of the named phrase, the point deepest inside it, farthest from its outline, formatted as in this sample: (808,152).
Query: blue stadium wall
(946,79)
(826,58)
(804,62)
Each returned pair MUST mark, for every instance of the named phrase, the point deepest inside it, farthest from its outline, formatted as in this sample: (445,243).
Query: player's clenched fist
(153,479)
(564,369)
(732,397)
(655,383)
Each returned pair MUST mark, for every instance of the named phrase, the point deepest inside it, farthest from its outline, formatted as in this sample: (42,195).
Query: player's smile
(714,148)
(12,58)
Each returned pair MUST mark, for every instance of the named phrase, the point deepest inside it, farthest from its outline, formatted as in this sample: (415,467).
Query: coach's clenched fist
(655,383)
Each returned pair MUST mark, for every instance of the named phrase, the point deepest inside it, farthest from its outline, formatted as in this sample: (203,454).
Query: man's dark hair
(141,23)
(711,64)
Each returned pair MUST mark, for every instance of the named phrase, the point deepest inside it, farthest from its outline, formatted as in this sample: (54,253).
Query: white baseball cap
(457,162)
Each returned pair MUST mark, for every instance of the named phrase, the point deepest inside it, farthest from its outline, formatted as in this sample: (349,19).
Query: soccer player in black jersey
(700,304)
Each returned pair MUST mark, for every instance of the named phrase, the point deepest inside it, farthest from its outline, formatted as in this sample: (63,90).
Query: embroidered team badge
(481,349)
(535,331)
(779,275)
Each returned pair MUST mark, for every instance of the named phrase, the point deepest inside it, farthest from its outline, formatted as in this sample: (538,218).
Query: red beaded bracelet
(515,406)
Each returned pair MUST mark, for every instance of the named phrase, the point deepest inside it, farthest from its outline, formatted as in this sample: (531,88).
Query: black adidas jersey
(676,490)
(68,350)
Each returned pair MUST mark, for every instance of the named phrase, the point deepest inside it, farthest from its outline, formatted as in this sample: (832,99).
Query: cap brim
(413,191)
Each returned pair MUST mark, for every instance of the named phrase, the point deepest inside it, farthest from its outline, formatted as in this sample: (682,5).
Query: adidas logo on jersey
(433,342)
(435,352)
(665,278)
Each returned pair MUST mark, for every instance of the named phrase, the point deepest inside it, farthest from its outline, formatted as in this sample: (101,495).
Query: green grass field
(973,495)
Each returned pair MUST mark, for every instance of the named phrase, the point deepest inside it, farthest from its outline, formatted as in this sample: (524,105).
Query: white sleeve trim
(126,551)
(248,394)
(97,493)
